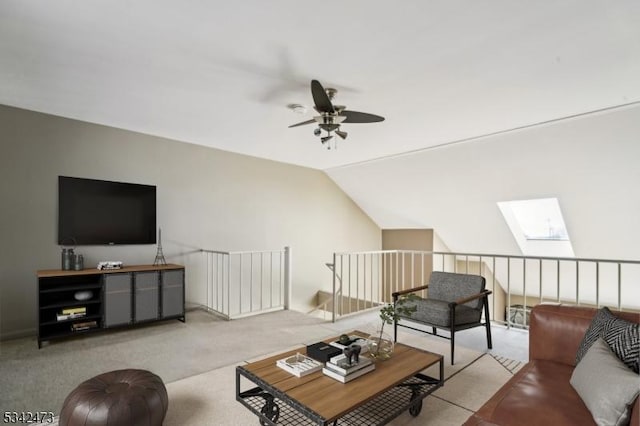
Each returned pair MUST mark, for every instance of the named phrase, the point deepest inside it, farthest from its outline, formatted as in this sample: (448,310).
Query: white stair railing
(245,283)
(323,305)
(517,282)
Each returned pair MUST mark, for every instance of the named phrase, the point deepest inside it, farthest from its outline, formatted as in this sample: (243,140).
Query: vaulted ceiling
(444,74)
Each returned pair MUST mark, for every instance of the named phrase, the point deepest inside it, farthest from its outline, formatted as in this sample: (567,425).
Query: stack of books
(85,325)
(71,313)
(338,368)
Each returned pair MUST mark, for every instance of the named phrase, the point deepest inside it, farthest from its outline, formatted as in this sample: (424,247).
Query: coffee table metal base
(275,408)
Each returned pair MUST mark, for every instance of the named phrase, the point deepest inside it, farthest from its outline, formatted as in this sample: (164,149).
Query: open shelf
(57,333)
(71,287)
(67,303)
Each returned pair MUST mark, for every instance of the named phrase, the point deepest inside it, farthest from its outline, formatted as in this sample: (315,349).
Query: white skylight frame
(538,226)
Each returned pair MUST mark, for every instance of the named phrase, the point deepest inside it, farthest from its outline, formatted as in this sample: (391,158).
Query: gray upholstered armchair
(454,302)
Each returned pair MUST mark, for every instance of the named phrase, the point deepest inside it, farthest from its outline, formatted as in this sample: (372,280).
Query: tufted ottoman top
(117,398)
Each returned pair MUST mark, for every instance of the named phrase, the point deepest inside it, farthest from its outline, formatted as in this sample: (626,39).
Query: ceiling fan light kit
(332,116)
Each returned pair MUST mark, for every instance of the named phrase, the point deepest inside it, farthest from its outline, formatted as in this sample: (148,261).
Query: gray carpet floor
(39,380)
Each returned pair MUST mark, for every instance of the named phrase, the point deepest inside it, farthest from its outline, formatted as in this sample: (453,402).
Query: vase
(380,348)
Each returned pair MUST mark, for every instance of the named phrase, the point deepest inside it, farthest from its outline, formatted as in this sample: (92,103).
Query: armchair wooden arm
(483,293)
(396,294)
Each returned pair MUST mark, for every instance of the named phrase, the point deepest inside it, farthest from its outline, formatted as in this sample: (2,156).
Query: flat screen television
(99,212)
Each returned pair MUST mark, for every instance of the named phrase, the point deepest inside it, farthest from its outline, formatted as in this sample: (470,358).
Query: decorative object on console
(83,295)
(78,264)
(110,264)
(67,259)
(159,255)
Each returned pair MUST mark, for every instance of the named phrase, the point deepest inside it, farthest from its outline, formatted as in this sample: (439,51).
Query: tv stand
(117,298)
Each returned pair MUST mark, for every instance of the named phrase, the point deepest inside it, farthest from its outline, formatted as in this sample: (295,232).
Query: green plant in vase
(382,348)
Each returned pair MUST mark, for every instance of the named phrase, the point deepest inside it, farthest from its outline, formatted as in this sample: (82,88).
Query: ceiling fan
(331,116)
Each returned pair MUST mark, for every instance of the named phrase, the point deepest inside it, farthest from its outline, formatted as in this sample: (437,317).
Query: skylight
(539,219)
(535,221)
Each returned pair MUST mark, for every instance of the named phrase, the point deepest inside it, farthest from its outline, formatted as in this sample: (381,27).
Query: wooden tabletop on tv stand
(93,271)
(332,399)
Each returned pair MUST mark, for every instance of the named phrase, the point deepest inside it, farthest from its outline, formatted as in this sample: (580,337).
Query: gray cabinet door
(146,286)
(173,293)
(117,299)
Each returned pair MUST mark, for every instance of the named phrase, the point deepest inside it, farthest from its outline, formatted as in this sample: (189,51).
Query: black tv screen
(98,212)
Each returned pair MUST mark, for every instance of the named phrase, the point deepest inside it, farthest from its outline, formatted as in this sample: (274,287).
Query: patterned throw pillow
(622,337)
(594,331)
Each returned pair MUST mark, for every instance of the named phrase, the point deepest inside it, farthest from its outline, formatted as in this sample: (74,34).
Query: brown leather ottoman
(122,397)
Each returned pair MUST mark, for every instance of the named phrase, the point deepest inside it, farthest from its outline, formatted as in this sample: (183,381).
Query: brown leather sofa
(540,393)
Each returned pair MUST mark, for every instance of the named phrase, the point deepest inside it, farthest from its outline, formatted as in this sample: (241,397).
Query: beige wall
(207,198)
(398,271)
(407,239)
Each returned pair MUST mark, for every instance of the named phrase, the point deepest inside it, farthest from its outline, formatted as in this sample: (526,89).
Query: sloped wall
(589,163)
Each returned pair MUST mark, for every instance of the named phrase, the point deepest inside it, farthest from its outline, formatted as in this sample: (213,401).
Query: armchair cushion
(450,287)
(436,313)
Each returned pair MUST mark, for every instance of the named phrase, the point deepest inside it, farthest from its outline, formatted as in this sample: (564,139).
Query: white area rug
(209,399)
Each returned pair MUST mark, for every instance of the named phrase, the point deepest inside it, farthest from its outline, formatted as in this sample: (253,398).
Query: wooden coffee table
(396,385)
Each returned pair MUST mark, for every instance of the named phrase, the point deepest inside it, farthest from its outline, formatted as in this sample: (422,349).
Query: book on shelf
(299,365)
(64,317)
(78,326)
(341,365)
(76,310)
(348,377)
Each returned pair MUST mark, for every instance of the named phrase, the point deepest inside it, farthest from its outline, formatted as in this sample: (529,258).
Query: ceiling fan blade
(320,98)
(342,134)
(360,117)
(302,123)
